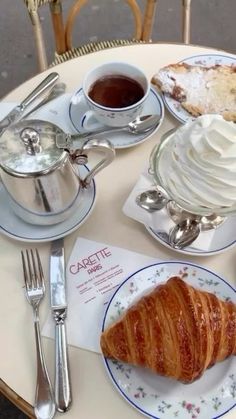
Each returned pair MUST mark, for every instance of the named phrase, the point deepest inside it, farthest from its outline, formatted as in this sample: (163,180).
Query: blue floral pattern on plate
(213,394)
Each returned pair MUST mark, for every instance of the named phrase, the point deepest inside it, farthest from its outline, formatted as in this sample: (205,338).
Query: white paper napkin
(158,220)
(93,273)
(56,111)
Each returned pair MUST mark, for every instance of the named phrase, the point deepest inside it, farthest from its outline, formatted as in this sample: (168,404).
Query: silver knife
(59,311)
(15,114)
(57,90)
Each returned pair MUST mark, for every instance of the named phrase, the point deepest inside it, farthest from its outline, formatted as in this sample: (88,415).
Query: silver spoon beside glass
(188,226)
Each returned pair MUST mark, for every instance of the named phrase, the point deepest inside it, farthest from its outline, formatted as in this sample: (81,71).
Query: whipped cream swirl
(198,163)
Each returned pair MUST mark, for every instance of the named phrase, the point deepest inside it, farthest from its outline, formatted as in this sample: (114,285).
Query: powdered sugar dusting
(200,90)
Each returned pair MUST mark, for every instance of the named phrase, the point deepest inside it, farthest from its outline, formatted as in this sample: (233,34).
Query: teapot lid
(29,147)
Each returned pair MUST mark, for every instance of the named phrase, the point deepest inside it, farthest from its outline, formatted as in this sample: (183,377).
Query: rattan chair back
(143,23)
(63,29)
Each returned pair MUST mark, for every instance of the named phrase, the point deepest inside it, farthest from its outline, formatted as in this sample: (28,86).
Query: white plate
(153,105)
(212,395)
(224,238)
(173,105)
(12,226)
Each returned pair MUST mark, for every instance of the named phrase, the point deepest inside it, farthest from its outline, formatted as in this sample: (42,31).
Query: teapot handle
(80,155)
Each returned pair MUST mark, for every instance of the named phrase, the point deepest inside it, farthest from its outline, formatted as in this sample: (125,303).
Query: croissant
(176,331)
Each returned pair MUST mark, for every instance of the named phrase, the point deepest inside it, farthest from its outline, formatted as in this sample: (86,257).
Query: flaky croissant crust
(176,331)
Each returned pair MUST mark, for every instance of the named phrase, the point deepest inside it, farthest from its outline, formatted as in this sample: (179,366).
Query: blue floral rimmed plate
(213,395)
(173,106)
(154,105)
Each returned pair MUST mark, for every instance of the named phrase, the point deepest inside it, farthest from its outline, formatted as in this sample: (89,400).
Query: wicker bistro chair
(63,32)
(186,6)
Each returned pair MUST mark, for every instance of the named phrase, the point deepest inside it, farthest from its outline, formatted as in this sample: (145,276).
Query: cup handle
(104,146)
(89,121)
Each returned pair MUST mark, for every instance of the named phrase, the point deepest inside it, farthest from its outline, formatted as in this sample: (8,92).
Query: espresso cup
(115,93)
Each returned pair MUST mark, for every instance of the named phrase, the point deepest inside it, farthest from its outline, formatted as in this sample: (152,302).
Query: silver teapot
(42,180)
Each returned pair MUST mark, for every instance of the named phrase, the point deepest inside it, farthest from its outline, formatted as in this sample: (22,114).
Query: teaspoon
(140,125)
(152,200)
(207,222)
(184,233)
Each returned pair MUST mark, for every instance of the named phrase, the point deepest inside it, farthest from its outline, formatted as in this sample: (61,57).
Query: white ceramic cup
(117,117)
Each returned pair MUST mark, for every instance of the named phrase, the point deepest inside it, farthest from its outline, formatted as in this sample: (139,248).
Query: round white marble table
(94,396)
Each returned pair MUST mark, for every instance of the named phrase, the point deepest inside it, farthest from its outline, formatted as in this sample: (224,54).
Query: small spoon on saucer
(140,125)
(152,200)
(210,222)
(207,222)
(184,233)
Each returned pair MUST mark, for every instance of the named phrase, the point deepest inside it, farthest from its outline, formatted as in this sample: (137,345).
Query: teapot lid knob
(31,139)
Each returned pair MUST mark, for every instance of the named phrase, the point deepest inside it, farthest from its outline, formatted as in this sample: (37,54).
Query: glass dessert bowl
(196,166)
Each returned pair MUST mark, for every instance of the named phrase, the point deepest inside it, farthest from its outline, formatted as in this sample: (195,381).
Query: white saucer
(224,238)
(153,105)
(14,227)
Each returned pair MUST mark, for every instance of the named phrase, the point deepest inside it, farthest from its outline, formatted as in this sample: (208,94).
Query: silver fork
(44,407)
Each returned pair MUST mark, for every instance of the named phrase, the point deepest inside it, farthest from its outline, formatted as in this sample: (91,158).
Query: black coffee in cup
(116,91)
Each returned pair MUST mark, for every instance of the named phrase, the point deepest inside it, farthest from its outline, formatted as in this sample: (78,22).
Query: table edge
(50,68)
(18,401)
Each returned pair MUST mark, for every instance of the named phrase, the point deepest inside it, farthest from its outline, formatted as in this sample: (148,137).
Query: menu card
(94,271)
